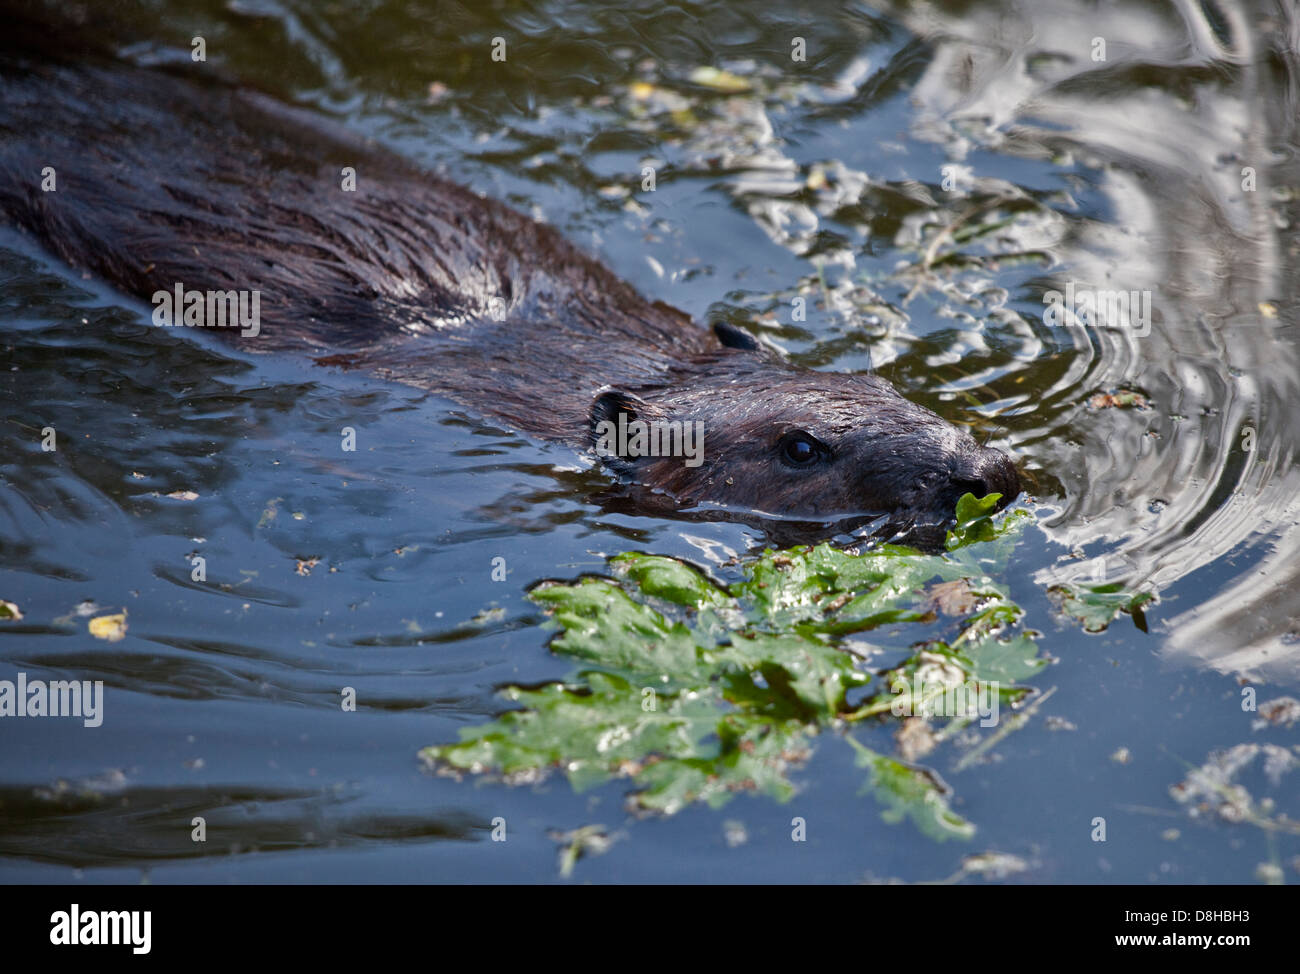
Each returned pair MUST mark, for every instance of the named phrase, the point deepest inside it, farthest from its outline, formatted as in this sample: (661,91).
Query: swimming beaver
(167,178)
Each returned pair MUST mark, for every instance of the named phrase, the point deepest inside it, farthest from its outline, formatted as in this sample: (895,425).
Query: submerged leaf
(912,793)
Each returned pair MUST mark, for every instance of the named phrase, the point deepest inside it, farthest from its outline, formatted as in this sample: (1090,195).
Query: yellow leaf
(111,628)
(719,80)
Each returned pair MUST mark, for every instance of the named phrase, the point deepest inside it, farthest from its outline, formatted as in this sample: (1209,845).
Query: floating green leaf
(694,691)
(1097,606)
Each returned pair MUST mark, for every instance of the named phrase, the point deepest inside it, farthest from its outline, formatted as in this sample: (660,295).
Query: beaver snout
(987,471)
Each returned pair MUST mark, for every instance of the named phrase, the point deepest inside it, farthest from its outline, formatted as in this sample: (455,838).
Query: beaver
(168,178)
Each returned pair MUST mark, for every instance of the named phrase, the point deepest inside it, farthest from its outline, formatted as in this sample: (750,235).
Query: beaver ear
(733,337)
(610,403)
(607,407)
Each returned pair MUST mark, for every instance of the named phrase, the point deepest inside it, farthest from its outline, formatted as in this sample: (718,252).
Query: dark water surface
(824,178)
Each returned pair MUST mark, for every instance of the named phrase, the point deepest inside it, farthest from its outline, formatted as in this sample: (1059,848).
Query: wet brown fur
(166,177)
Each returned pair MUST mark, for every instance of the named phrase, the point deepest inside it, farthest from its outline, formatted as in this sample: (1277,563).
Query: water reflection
(120,825)
(1189,127)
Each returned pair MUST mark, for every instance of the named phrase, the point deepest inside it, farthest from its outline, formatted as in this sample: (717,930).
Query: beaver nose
(988,472)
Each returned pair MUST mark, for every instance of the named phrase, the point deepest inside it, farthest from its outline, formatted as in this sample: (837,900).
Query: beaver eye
(800,449)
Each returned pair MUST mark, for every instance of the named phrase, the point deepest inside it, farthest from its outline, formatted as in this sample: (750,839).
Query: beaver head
(743,428)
